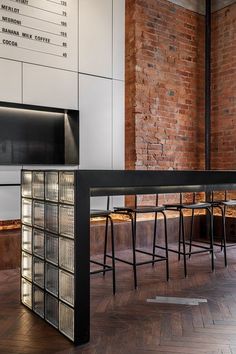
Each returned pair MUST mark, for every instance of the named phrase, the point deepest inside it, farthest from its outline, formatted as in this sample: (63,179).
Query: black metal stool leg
(154,239)
(191,233)
(211,239)
(184,246)
(224,233)
(113,256)
(180,233)
(105,245)
(166,246)
(133,226)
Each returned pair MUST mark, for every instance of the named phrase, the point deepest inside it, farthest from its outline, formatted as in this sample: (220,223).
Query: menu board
(43,32)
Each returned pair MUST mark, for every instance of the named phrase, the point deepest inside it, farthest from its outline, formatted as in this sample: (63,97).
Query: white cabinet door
(118,133)
(95,37)
(10,196)
(118,125)
(10,83)
(10,203)
(119,39)
(95,105)
(50,87)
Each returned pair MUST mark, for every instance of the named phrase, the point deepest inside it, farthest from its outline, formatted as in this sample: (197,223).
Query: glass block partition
(48,247)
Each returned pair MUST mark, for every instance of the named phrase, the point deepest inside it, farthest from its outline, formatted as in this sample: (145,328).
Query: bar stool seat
(198,205)
(231,202)
(97,213)
(141,209)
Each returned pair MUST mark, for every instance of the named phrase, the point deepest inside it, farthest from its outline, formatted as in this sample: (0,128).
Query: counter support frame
(90,183)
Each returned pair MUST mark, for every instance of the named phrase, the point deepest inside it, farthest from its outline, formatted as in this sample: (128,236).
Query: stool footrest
(190,253)
(159,259)
(187,243)
(152,261)
(149,253)
(106,267)
(160,247)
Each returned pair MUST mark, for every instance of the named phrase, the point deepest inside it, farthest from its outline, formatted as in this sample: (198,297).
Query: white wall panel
(118,133)
(46,32)
(10,174)
(10,196)
(118,125)
(95,37)
(10,82)
(50,87)
(95,105)
(10,203)
(119,39)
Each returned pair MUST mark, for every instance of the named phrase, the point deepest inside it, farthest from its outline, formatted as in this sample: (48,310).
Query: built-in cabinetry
(96,88)
(11,81)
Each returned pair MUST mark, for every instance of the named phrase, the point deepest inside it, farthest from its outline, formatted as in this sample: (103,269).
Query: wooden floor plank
(127,323)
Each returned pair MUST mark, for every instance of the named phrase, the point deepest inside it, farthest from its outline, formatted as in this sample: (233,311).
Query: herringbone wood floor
(128,324)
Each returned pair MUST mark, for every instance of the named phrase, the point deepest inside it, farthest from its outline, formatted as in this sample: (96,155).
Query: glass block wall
(47,258)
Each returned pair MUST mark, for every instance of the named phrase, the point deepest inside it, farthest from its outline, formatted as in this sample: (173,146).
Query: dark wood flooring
(127,323)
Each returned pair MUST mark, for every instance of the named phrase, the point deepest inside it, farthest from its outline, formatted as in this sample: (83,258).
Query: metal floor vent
(177,300)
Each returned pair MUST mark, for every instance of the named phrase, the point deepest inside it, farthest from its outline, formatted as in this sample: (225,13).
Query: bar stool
(177,207)
(180,207)
(132,213)
(222,205)
(105,267)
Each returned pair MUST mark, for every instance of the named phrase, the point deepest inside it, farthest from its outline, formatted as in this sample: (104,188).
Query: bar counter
(67,307)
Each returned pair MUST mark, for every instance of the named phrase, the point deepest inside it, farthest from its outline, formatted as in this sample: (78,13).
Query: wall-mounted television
(38,135)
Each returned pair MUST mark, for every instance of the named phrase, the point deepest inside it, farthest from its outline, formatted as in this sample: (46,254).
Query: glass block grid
(47,257)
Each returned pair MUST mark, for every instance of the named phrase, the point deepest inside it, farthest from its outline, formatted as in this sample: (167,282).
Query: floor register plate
(177,300)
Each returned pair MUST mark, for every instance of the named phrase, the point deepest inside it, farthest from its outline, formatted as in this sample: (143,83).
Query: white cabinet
(95,37)
(119,39)
(10,196)
(50,87)
(10,206)
(10,83)
(10,174)
(118,160)
(118,125)
(95,105)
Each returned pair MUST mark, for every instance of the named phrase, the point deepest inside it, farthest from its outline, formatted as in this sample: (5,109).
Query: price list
(42,32)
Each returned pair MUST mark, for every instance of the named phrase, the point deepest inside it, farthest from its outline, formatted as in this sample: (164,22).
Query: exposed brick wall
(164,86)
(130,85)
(224,88)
